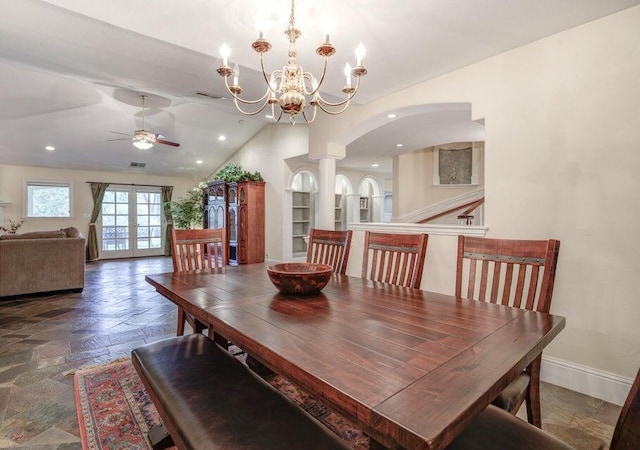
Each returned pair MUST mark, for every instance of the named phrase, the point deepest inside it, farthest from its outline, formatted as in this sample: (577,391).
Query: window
(48,199)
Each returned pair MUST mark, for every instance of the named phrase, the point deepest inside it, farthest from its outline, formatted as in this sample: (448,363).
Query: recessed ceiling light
(398,145)
(391,116)
(50,148)
(375,165)
(199,161)
(222,137)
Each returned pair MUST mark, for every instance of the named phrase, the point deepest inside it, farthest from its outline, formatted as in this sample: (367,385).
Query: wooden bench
(207,399)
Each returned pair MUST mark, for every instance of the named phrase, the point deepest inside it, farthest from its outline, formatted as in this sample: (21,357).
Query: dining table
(409,367)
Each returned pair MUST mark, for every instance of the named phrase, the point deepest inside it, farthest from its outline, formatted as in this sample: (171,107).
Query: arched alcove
(370,193)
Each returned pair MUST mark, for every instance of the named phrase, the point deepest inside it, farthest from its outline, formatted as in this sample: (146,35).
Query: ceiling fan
(144,139)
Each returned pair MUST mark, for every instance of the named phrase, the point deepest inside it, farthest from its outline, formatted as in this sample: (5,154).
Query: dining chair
(329,247)
(518,273)
(196,250)
(394,258)
(495,428)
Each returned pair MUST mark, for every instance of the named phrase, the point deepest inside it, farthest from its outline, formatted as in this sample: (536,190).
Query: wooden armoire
(244,210)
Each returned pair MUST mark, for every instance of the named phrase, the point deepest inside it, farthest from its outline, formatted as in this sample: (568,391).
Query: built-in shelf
(339,212)
(365,210)
(300,221)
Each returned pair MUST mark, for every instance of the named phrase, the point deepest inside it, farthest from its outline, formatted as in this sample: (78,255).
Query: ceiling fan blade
(119,139)
(162,141)
(124,134)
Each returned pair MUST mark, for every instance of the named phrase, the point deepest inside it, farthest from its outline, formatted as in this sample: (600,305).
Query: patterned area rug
(115,412)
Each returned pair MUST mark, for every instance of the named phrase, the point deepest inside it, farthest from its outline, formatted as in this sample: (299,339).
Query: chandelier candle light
(291,86)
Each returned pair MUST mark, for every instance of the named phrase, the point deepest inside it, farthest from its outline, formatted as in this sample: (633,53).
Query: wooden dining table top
(410,367)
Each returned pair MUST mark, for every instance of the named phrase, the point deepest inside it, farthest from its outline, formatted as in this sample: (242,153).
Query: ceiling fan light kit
(143,139)
(292,88)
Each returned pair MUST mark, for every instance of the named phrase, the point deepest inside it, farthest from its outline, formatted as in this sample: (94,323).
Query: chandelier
(292,88)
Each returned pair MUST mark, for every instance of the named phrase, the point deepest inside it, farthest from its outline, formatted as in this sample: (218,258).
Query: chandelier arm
(322,101)
(309,76)
(275,75)
(313,117)
(241,100)
(334,113)
(250,113)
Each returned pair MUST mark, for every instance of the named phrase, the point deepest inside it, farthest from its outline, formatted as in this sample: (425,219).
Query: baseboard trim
(586,380)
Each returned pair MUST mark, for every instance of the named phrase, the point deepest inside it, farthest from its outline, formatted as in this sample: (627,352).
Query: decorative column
(326,193)
(353,208)
(378,208)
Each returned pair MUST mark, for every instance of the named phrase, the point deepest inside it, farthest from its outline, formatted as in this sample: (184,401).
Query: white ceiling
(71,71)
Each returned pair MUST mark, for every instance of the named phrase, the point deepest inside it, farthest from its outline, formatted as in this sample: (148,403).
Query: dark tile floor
(44,338)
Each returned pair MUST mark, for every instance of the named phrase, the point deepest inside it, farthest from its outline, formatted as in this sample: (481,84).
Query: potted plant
(13,226)
(234,173)
(187,212)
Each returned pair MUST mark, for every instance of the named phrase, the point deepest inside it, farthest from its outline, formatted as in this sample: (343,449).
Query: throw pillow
(71,232)
(35,235)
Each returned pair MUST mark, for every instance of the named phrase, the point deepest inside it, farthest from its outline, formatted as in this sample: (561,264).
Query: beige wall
(12,179)
(561,161)
(413,187)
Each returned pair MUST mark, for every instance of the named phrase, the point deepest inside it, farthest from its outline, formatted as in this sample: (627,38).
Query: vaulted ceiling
(71,71)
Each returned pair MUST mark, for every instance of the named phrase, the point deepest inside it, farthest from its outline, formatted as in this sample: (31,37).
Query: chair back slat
(394,258)
(483,281)
(330,247)
(626,435)
(472,278)
(198,249)
(522,273)
(531,263)
(533,282)
(508,279)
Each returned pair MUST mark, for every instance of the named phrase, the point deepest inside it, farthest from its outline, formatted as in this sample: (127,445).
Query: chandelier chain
(292,17)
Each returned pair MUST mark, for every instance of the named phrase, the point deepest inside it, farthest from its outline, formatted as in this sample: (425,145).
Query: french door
(131,220)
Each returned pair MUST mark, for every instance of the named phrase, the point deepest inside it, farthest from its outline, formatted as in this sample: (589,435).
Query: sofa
(42,261)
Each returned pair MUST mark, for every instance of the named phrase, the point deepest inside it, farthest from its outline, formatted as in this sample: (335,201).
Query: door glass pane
(148,208)
(115,221)
(122,220)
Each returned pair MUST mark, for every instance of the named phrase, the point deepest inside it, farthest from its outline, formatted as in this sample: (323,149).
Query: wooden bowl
(299,278)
